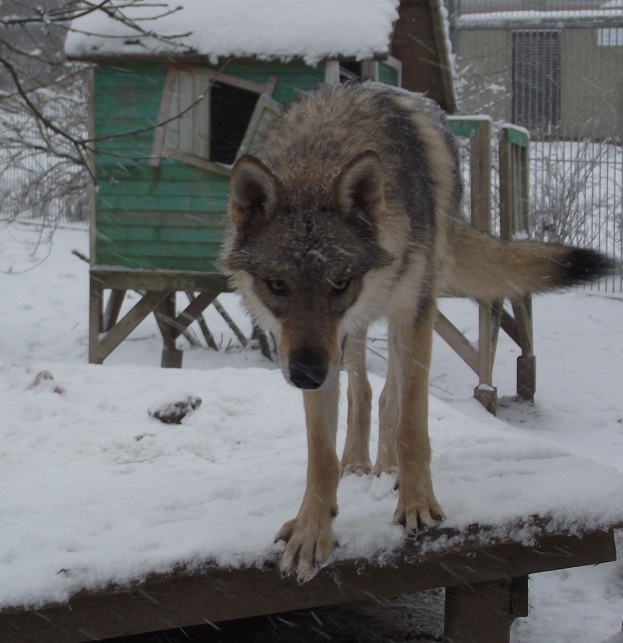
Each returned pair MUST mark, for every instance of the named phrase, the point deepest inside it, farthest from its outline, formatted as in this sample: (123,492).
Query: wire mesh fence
(554,67)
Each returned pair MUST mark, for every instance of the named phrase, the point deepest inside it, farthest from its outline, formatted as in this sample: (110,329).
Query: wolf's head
(303,254)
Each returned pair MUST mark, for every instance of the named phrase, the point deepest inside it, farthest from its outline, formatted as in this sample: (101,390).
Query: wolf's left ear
(253,191)
(360,187)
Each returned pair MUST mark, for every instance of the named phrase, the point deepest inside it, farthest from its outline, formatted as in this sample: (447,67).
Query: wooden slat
(113,279)
(152,233)
(165,109)
(205,264)
(177,219)
(208,249)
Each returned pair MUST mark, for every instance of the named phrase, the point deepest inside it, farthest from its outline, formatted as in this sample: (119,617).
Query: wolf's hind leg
(386,459)
(356,455)
(309,536)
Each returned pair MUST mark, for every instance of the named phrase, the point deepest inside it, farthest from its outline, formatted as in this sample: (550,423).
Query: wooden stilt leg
(165,316)
(96,313)
(484,612)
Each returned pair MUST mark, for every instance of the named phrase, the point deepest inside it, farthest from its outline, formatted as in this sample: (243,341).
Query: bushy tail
(484,267)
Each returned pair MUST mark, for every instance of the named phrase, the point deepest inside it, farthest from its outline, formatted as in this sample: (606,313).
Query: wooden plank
(218,75)
(120,169)
(111,278)
(177,219)
(161,202)
(207,264)
(164,248)
(165,234)
(216,594)
(163,114)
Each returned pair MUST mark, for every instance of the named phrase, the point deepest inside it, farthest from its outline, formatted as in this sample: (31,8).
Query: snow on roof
(611,11)
(279,29)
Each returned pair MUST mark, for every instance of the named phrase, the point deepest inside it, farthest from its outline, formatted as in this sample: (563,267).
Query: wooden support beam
(457,341)
(158,285)
(127,324)
(193,311)
(231,323)
(113,309)
(96,319)
(203,325)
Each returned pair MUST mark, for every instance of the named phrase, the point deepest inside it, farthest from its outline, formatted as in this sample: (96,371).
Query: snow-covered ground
(94,490)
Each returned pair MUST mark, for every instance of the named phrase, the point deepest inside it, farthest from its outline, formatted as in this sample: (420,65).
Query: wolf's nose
(307,375)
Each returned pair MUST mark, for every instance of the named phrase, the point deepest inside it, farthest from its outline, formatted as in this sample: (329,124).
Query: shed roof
(277,29)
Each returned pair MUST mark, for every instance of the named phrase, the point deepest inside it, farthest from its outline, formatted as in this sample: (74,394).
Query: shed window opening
(208,119)
(231,110)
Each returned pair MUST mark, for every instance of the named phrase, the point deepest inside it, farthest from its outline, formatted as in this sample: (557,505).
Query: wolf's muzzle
(307,370)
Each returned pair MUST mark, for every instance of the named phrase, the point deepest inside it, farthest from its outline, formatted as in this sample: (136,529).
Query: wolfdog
(350,212)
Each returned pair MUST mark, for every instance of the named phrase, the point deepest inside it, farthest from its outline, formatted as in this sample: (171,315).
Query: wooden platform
(486,581)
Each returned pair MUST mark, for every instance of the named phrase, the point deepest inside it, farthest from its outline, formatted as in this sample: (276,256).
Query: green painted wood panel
(149,235)
(388,74)
(115,257)
(136,205)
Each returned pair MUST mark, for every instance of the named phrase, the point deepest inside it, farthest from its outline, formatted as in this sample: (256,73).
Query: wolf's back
(484,267)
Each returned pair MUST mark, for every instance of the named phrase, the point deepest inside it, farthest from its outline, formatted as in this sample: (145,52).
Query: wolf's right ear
(253,191)
(360,187)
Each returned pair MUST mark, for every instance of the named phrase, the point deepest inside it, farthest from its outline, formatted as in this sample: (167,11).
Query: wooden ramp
(486,581)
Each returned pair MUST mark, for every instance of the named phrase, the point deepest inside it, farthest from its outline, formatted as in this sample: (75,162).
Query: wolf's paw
(379,469)
(419,513)
(309,544)
(357,468)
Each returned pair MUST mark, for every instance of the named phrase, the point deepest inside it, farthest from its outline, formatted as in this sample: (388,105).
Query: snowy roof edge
(283,30)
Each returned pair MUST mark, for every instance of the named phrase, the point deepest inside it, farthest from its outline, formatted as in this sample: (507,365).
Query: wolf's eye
(277,287)
(340,286)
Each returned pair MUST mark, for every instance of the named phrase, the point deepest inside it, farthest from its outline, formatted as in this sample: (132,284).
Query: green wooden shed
(178,91)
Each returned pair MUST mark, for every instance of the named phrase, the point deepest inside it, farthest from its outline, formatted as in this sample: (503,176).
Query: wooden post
(514,152)
(165,317)
(113,308)
(96,315)
(479,613)
(488,319)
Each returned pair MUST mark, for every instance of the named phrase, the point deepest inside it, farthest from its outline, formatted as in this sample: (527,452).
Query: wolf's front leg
(309,536)
(417,506)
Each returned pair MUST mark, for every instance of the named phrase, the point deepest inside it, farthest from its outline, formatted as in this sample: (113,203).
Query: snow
(279,29)
(96,491)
